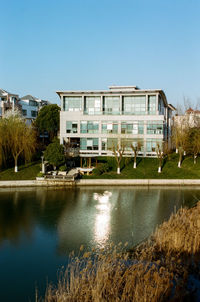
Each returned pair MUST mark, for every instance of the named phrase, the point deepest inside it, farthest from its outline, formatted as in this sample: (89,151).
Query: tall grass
(155,271)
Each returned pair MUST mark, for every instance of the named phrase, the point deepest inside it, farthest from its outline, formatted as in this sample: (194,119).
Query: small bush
(40,174)
(62,168)
(102,168)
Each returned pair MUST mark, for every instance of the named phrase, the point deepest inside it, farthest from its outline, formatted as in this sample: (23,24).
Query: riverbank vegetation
(28,171)
(147,168)
(164,268)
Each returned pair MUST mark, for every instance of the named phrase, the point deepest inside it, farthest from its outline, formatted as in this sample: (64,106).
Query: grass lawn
(26,172)
(148,167)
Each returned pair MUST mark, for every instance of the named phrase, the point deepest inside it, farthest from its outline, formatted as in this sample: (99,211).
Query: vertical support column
(101,104)
(82,107)
(61,103)
(146,104)
(81,162)
(100,145)
(157,112)
(120,104)
(90,162)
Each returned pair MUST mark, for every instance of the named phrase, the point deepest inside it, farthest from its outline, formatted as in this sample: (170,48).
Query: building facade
(8,101)
(30,107)
(95,121)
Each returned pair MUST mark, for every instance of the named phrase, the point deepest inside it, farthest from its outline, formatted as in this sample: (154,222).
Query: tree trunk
(184,153)
(179,164)
(118,170)
(195,159)
(135,164)
(16,168)
(176,150)
(159,169)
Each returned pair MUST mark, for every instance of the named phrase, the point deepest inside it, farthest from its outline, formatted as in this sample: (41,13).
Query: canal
(39,228)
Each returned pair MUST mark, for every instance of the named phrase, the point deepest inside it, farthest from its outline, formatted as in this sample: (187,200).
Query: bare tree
(162,151)
(136,148)
(118,153)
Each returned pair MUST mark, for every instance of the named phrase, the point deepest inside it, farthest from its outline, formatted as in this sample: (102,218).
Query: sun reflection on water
(102,219)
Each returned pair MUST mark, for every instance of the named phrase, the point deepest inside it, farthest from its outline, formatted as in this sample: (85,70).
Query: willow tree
(18,138)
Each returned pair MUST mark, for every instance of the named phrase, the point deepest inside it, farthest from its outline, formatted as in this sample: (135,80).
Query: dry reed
(155,271)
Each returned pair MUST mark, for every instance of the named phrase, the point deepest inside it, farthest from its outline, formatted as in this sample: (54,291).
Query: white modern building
(190,119)
(8,101)
(30,106)
(93,121)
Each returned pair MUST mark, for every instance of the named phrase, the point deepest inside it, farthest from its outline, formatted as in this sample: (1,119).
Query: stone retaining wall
(100,182)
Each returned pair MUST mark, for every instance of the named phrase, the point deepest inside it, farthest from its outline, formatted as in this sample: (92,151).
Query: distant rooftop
(29,97)
(4,93)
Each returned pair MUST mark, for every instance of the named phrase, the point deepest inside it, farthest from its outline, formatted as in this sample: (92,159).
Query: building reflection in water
(102,219)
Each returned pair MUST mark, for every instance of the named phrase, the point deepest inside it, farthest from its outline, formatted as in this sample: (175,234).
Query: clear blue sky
(91,44)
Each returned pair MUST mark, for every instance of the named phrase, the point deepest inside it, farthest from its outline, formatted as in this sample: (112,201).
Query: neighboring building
(93,121)
(30,107)
(191,119)
(8,101)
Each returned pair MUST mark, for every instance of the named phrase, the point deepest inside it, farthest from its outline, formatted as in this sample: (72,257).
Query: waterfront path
(99,182)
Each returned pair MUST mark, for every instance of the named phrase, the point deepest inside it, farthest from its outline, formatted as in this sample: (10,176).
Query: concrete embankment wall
(100,182)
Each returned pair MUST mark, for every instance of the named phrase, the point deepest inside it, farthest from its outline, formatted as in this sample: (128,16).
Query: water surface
(40,227)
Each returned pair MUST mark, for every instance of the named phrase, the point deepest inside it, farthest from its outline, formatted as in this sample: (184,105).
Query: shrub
(62,168)
(102,168)
(40,174)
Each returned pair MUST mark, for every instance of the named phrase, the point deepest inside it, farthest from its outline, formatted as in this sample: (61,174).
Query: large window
(109,144)
(72,103)
(111,105)
(161,107)
(24,112)
(152,104)
(109,127)
(151,145)
(92,105)
(134,105)
(89,127)
(132,128)
(33,113)
(128,142)
(155,127)
(89,144)
(71,127)
(33,103)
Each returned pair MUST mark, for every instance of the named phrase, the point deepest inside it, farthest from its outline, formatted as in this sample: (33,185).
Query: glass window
(89,143)
(89,127)
(151,145)
(152,104)
(33,103)
(155,127)
(111,105)
(92,105)
(109,127)
(134,105)
(72,103)
(132,128)
(128,142)
(109,143)
(24,112)
(33,113)
(71,127)
(161,107)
